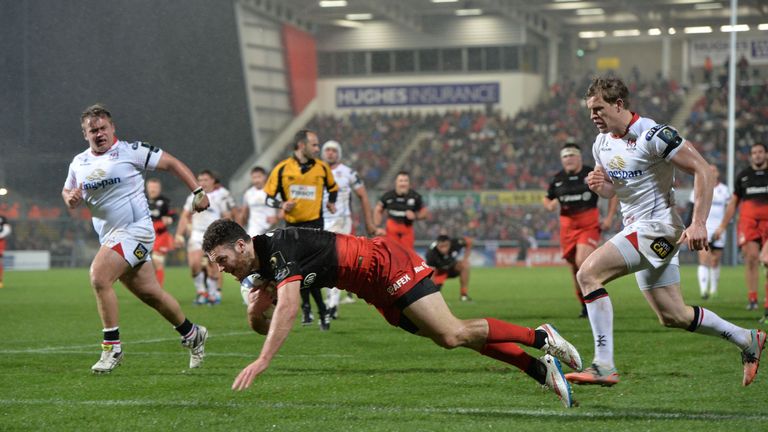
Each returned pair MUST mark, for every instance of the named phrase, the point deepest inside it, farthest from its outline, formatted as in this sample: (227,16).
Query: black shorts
(317,223)
(422,289)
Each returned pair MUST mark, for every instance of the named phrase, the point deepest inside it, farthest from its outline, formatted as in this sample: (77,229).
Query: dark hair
(223,231)
(405,173)
(571,145)
(301,137)
(610,88)
(95,110)
(763,145)
(258,169)
(210,174)
(443,238)
(153,180)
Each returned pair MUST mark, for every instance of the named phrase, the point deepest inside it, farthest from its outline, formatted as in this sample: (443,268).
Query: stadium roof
(546,17)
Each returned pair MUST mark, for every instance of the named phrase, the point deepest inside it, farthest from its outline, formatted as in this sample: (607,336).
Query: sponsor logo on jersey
(652,131)
(140,252)
(661,247)
(96,180)
(114,155)
(631,144)
(301,192)
(617,171)
(558,184)
(392,289)
(571,198)
(423,266)
(753,190)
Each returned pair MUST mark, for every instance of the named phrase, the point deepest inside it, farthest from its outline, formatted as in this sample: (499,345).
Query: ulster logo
(140,252)
(661,247)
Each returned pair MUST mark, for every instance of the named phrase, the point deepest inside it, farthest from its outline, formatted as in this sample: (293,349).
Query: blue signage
(440,94)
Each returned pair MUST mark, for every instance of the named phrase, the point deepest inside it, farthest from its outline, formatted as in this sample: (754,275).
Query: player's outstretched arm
(279,327)
(550,204)
(378,218)
(182,172)
(370,226)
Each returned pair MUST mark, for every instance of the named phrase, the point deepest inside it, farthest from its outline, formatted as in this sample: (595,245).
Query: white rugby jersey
(258,211)
(220,201)
(348,180)
(113,185)
(720,197)
(639,166)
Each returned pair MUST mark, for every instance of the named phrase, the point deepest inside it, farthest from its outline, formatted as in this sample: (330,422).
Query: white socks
(707,322)
(600,312)
(703,274)
(334,295)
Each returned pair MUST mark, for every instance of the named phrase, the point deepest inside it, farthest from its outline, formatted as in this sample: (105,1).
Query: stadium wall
(515,92)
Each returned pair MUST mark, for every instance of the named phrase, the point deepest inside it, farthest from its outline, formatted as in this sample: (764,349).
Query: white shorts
(341,225)
(720,243)
(195,242)
(650,252)
(134,243)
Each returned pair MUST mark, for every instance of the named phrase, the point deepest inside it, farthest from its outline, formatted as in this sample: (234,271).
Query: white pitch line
(515,412)
(129,342)
(162,353)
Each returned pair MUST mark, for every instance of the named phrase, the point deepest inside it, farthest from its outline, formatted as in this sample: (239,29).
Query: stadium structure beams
(395,13)
(276,10)
(518,12)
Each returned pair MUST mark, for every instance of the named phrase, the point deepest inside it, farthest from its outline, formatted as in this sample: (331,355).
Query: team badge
(140,252)
(114,155)
(661,247)
(310,279)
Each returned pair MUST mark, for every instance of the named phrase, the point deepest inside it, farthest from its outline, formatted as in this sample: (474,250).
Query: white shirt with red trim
(221,203)
(258,211)
(113,184)
(639,166)
(348,180)
(720,198)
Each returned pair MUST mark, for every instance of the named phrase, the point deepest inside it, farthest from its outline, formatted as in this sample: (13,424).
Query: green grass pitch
(363,374)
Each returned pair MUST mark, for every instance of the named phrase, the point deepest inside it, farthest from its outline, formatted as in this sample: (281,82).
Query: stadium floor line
(543,413)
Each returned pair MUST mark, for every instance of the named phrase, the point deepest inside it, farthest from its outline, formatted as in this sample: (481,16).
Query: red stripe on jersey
(119,249)
(632,237)
(635,117)
(290,279)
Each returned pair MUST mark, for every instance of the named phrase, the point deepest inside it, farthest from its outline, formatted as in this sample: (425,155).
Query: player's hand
(695,236)
(178,240)
(200,202)
(380,232)
(371,229)
(75,196)
(596,178)
(288,206)
(410,215)
(717,234)
(331,207)
(246,376)
(606,225)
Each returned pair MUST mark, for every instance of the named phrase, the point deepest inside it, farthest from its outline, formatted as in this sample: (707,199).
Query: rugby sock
(199,280)
(707,322)
(213,287)
(186,329)
(160,273)
(509,353)
(111,340)
(752,296)
(600,312)
(714,278)
(334,295)
(703,273)
(502,331)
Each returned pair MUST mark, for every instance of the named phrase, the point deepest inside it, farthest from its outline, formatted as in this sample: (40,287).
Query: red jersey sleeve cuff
(289,279)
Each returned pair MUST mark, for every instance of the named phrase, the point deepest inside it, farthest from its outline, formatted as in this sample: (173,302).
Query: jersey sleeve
(284,261)
(662,141)
(188,204)
(144,156)
(71,181)
(419,204)
(271,187)
(551,189)
(330,180)
(355,181)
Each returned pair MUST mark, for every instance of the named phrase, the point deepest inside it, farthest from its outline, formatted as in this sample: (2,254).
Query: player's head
(154,188)
(228,246)
(570,156)
(757,155)
(258,177)
(306,143)
(98,129)
(443,244)
(331,152)
(207,180)
(402,182)
(607,101)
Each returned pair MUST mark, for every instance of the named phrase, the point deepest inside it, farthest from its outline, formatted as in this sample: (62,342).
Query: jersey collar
(635,117)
